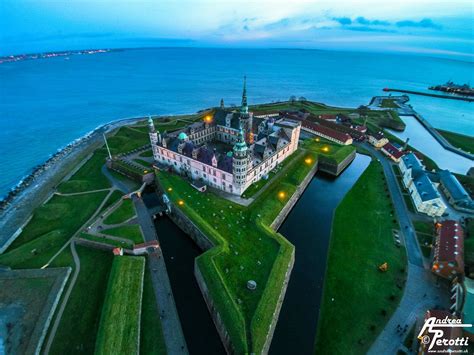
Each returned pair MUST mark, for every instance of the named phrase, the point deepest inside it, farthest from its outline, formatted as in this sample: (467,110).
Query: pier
(468,99)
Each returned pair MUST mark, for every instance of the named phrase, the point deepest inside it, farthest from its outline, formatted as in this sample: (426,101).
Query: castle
(230,150)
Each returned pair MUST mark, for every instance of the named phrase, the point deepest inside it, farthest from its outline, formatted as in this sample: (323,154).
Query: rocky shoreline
(34,189)
(38,170)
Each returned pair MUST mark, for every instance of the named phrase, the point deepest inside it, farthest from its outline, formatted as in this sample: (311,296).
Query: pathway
(420,292)
(97,211)
(119,184)
(171,325)
(60,312)
(80,193)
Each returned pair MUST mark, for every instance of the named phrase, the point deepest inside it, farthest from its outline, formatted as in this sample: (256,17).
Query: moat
(308,227)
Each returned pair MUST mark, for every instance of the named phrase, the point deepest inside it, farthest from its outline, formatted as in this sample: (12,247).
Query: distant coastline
(45,55)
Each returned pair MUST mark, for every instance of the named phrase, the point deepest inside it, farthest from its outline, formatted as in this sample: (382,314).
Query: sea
(47,103)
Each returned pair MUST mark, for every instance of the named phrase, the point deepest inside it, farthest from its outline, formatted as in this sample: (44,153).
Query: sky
(443,28)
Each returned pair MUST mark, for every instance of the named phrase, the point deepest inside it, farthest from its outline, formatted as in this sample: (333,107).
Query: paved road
(421,291)
(406,227)
(122,186)
(172,331)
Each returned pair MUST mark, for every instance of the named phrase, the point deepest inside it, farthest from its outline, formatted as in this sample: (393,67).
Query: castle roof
(450,243)
(424,186)
(411,161)
(454,187)
(392,150)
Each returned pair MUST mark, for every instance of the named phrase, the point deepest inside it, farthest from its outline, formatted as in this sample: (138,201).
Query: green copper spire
(151,126)
(244,108)
(240,145)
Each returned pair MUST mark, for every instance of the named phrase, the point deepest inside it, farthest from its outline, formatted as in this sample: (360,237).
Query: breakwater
(441,140)
(468,99)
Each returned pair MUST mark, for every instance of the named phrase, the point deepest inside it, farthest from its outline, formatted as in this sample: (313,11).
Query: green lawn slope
(358,298)
(119,330)
(245,248)
(79,324)
(461,141)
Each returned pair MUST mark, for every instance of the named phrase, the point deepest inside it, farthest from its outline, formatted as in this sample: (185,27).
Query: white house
(423,192)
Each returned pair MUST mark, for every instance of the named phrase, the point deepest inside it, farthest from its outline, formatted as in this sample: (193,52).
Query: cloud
(363,21)
(343,20)
(425,23)
(283,23)
(368,29)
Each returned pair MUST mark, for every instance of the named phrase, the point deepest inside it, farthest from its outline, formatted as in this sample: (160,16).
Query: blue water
(45,104)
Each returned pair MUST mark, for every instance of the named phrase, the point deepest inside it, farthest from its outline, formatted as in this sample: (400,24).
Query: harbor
(452,97)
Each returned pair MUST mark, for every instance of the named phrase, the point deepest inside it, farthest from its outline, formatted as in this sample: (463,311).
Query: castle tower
(246,117)
(240,161)
(222,104)
(155,137)
(244,108)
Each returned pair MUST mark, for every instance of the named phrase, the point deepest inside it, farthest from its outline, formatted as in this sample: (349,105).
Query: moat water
(308,227)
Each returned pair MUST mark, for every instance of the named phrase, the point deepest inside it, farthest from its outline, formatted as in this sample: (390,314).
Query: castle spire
(240,145)
(151,125)
(244,107)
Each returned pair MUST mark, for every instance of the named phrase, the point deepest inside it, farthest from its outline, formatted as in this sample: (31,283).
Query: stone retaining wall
(204,243)
(294,198)
(281,298)
(186,225)
(220,326)
(335,169)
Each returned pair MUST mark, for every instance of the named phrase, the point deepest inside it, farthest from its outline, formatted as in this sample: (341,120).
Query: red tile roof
(327,117)
(392,150)
(153,243)
(450,243)
(343,137)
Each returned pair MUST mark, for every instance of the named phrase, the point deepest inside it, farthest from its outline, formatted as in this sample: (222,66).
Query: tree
(292,98)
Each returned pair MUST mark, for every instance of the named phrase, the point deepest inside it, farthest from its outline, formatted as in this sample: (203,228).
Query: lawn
(124,212)
(151,338)
(312,107)
(113,198)
(119,330)
(424,233)
(388,103)
(257,186)
(246,249)
(330,152)
(89,177)
(355,290)
(26,301)
(52,225)
(132,232)
(146,154)
(105,240)
(79,324)
(146,164)
(424,227)
(467,182)
(461,141)
(127,139)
